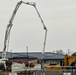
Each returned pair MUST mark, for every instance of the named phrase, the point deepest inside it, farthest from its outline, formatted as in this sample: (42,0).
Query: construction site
(44,63)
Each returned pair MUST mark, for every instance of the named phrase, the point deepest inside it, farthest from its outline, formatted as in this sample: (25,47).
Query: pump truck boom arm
(14,12)
(44,27)
(8,29)
(9,26)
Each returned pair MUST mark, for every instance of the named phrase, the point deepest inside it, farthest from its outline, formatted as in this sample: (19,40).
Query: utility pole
(27,53)
(11,55)
(68,51)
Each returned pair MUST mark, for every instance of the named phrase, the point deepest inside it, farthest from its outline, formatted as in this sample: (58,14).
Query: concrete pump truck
(4,59)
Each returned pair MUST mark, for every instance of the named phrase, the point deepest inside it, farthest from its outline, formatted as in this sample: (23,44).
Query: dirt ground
(4,73)
(8,73)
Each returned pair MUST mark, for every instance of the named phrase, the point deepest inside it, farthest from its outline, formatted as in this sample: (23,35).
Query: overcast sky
(59,17)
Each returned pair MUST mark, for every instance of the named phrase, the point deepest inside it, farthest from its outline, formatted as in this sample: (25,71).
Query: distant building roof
(47,55)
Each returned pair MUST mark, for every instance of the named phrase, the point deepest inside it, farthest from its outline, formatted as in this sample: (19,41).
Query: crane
(9,26)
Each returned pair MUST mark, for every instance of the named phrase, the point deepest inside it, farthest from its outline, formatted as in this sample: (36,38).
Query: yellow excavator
(69,61)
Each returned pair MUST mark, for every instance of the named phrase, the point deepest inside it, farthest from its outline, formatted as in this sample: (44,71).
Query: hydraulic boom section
(9,26)
(8,29)
(44,27)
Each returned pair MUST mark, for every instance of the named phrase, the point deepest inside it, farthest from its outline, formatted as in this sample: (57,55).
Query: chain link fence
(69,71)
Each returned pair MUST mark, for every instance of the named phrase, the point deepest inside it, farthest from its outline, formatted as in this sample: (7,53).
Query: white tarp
(17,67)
(38,66)
(12,73)
(66,73)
